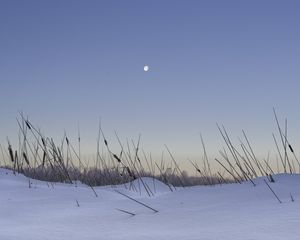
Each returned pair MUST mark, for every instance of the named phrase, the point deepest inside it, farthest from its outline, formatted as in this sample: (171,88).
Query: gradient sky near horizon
(68,63)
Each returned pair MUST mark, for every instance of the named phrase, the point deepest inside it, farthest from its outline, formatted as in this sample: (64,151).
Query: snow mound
(147,186)
(9,177)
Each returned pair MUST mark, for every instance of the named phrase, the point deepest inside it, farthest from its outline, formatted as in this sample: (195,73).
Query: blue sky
(65,63)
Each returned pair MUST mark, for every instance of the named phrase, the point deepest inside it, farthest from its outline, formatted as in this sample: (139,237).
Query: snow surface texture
(232,211)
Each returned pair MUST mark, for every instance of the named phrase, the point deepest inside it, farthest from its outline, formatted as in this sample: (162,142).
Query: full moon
(146,68)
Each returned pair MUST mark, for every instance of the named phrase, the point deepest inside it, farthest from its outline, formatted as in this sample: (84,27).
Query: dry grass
(39,157)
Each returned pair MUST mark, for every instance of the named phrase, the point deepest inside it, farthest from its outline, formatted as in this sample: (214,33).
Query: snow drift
(34,210)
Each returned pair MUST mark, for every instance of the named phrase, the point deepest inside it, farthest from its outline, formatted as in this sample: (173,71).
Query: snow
(231,211)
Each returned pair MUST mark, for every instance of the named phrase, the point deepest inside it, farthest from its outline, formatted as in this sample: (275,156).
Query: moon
(146,68)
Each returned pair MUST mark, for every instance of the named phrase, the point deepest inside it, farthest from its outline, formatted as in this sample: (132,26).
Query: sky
(67,64)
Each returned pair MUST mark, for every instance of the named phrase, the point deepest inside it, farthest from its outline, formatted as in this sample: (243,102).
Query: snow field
(232,211)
